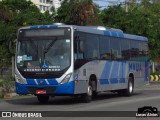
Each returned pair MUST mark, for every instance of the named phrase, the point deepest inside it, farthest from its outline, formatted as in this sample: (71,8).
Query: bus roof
(89,29)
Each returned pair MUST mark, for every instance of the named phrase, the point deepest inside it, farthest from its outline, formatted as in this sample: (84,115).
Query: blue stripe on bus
(50,81)
(31,82)
(114,74)
(120,34)
(114,34)
(53,26)
(122,72)
(67,88)
(34,27)
(41,82)
(106,32)
(43,26)
(105,73)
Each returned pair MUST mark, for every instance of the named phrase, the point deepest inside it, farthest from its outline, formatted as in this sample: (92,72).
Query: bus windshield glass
(43,52)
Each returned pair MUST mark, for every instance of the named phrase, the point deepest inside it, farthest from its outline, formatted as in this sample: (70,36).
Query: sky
(105,3)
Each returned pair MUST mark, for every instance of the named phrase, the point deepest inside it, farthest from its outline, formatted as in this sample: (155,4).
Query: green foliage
(78,12)
(13,15)
(1,96)
(7,83)
(141,19)
(155,73)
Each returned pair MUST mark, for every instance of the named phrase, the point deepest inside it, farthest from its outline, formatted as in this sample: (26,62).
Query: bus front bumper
(67,88)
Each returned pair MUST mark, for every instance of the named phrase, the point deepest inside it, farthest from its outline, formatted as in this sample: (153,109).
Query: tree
(13,15)
(141,19)
(114,17)
(78,12)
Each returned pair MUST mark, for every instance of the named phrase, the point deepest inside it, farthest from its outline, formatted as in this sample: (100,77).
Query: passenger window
(115,49)
(104,48)
(125,49)
(134,50)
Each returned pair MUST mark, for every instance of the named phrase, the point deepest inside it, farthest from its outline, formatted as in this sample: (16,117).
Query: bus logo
(45,65)
(135,67)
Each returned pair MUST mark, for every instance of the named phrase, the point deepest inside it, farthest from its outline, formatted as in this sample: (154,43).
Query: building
(45,5)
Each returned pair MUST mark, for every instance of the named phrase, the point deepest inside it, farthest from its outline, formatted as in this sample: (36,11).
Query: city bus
(59,59)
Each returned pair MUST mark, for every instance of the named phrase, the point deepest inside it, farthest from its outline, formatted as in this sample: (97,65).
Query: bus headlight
(19,79)
(66,79)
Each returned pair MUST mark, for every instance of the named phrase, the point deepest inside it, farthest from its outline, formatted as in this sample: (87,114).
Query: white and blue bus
(70,60)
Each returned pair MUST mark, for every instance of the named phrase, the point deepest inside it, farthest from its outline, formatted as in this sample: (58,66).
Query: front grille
(49,90)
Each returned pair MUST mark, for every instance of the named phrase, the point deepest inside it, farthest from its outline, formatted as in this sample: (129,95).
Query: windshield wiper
(49,46)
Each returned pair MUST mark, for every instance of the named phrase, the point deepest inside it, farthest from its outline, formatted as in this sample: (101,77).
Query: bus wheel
(129,90)
(94,95)
(43,99)
(87,97)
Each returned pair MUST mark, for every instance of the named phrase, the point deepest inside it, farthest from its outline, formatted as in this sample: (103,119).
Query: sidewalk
(150,86)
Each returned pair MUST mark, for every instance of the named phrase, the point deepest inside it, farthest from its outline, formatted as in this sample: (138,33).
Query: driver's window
(78,46)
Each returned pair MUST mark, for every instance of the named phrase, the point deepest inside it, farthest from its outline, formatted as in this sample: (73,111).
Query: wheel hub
(130,87)
(89,90)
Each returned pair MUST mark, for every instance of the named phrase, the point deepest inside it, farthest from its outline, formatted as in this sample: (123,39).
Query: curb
(10,95)
(149,87)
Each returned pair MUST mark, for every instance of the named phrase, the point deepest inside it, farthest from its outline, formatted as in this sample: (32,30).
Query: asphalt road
(146,96)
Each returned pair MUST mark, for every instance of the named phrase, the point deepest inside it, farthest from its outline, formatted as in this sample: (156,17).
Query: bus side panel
(83,75)
(113,75)
(110,75)
(140,72)
(81,86)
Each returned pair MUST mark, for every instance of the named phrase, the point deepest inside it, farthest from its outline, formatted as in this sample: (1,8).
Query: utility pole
(126,5)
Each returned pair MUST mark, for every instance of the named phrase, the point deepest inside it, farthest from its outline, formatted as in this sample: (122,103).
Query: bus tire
(43,99)
(129,91)
(120,92)
(94,95)
(87,97)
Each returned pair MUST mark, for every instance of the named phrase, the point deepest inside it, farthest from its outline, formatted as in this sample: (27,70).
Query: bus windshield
(43,54)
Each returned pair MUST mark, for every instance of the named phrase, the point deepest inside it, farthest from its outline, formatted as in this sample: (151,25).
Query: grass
(155,73)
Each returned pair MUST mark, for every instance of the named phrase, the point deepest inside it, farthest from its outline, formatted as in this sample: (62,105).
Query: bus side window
(143,51)
(81,46)
(134,50)
(75,48)
(125,49)
(115,48)
(104,48)
(78,48)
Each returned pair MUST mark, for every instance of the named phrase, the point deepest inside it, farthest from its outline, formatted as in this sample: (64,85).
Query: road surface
(146,96)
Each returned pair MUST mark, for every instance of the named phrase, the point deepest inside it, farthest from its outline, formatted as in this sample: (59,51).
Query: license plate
(41,92)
